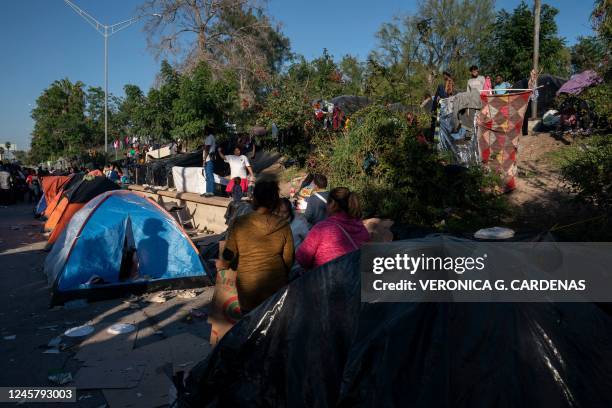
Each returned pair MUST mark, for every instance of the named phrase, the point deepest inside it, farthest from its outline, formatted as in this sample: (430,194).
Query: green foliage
(509,50)
(201,101)
(588,53)
(414,50)
(599,99)
(60,126)
(289,103)
(601,18)
(589,171)
(69,121)
(405,179)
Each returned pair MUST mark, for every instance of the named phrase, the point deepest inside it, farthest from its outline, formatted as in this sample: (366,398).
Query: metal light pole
(106,31)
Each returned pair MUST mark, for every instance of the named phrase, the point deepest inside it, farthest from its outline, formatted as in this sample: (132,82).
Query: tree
(130,113)
(8,146)
(588,53)
(353,75)
(60,126)
(413,50)
(601,18)
(509,51)
(202,101)
(234,34)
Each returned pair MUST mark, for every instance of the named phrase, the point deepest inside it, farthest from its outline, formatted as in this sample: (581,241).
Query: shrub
(401,177)
(589,171)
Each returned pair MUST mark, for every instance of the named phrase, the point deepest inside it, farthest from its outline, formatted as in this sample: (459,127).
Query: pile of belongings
(455,132)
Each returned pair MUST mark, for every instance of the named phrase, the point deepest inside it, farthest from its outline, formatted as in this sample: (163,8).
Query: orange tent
(51,185)
(73,200)
(54,201)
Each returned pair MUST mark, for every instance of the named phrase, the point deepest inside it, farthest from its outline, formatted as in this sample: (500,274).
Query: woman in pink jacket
(340,233)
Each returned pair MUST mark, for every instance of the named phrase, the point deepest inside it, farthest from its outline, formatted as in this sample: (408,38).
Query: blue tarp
(120,238)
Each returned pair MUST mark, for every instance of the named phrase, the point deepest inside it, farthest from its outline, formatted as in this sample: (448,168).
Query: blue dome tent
(121,242)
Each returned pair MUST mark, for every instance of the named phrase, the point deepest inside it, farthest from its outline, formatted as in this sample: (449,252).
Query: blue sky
(44,40)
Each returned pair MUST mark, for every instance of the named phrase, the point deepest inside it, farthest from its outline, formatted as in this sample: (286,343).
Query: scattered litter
(187,294)
(11,337)
(159,298)
(494,233)
(52,327)
(121,328)
(138,394)
(198,314)
(76,304)
(60,378)
(186,364)
(51,351)
(15,228)
(79,331)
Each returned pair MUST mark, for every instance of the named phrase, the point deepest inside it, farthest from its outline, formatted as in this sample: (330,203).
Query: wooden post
(536,52)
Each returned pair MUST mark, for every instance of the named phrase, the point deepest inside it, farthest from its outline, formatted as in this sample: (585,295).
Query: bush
(402,178)
(589,171)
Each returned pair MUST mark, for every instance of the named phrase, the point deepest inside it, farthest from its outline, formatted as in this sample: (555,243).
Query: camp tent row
(106,242)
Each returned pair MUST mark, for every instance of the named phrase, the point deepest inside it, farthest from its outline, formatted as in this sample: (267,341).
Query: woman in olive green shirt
(260,249)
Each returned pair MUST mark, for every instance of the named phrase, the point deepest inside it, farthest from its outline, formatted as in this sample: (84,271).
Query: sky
(44,40)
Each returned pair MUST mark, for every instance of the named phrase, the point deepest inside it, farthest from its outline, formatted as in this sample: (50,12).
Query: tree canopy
(230,63)
(509,49)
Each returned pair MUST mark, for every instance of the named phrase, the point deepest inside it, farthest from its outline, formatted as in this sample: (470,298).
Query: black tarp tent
(546,95)
(350,104)
(315,344)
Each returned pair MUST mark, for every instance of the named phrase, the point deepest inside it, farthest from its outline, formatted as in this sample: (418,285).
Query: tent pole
(536,52)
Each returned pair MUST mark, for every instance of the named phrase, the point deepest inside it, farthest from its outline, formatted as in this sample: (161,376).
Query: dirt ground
(27,324)
(542,202)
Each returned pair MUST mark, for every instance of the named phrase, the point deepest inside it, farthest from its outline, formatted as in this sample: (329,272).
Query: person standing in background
(239,166)
(500,85)
(477,81)
(5,185)
(210,146)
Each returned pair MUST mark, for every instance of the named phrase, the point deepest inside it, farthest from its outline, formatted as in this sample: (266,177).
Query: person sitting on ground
(237,191)
(501,86)
(239,165)
(316,204)
(259,248)
(297,222)
(476,82)
(340,233)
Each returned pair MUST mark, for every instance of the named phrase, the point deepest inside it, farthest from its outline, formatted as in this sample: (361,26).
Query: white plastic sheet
(192,179)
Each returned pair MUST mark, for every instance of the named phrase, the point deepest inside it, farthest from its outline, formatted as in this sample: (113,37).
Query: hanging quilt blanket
(499,129)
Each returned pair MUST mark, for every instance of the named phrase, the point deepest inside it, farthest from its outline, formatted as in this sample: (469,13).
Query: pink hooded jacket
(327,240)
